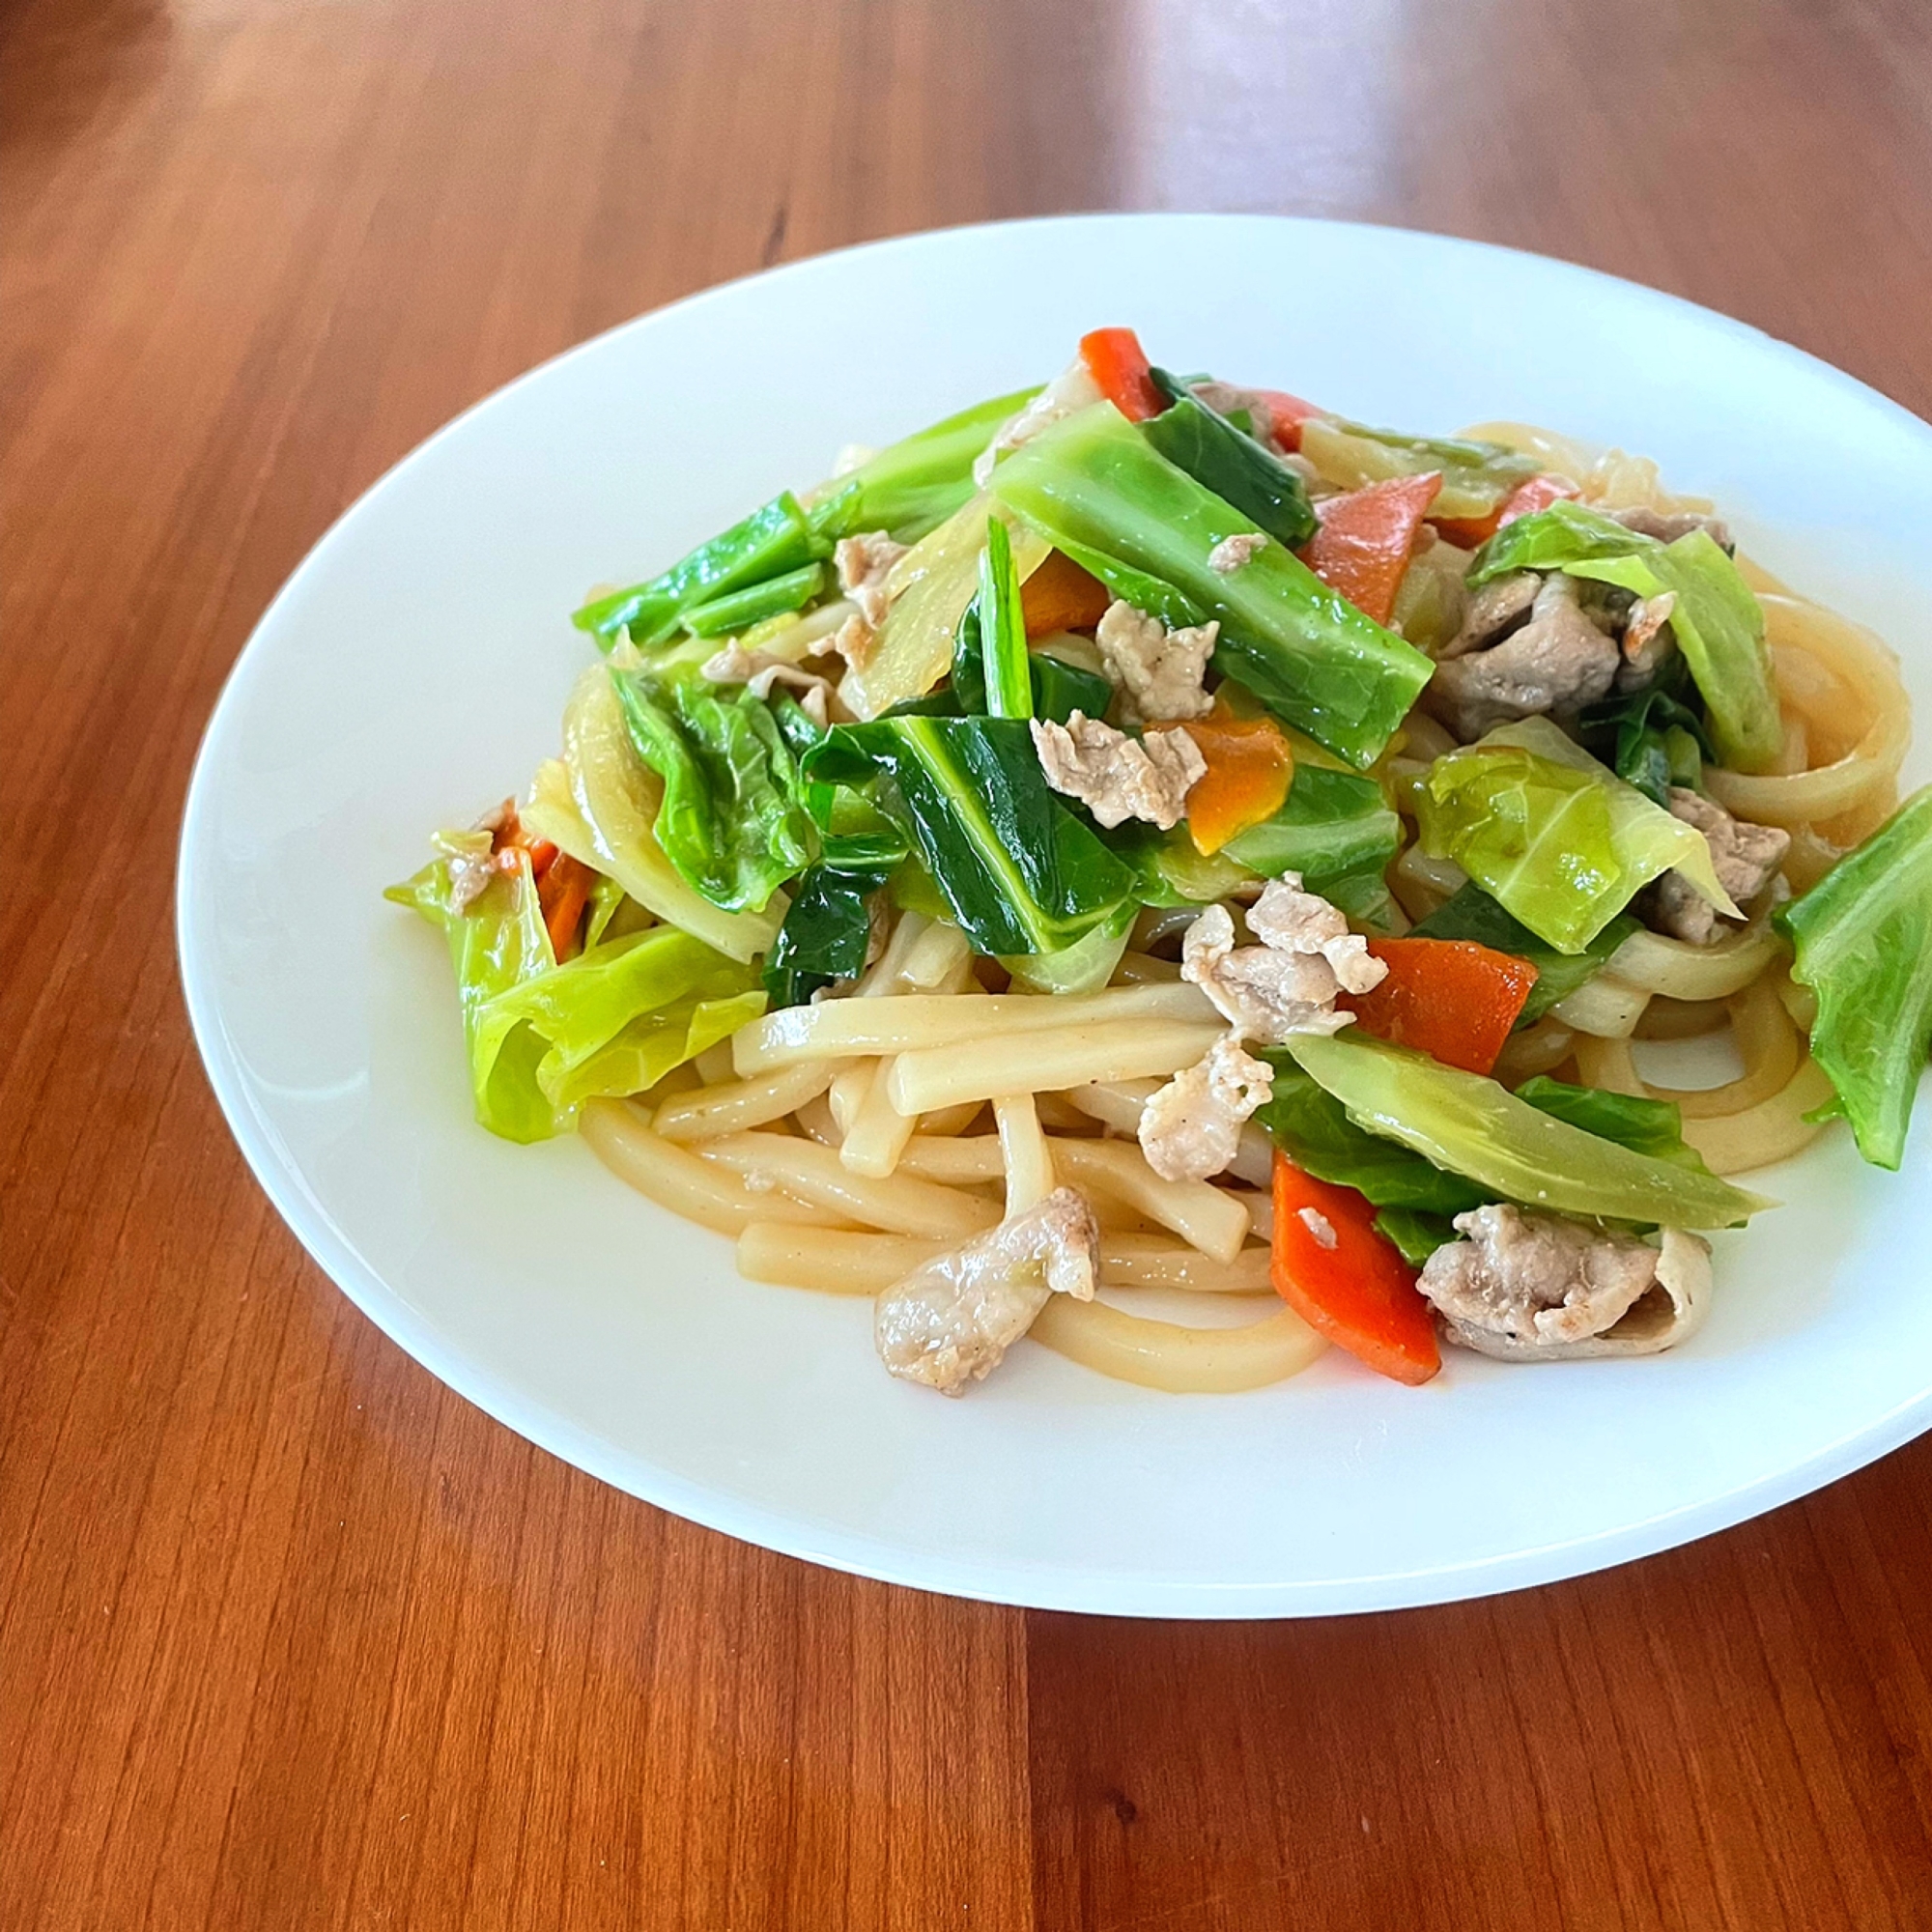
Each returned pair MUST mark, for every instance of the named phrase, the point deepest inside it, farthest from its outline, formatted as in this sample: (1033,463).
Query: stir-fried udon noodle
(1158,868)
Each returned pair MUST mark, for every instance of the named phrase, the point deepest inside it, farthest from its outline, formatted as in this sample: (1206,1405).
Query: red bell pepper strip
(1525,499)
(1345,1280)
(1367,538)
(1117,362)
(1448,998)
(1288,414)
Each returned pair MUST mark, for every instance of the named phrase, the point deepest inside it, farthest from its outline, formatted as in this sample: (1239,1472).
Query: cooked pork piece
(1117,776)
(951,1321)
(1157,671)
(1558,661)
(1526,1286)
(1745,857)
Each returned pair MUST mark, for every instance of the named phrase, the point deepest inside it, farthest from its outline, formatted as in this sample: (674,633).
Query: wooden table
(289,1635)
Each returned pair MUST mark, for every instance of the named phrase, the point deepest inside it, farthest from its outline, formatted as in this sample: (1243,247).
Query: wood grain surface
(292,1637)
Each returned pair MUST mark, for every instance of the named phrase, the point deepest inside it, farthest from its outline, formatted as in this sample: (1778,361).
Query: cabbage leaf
(1560,840)
(1862,936)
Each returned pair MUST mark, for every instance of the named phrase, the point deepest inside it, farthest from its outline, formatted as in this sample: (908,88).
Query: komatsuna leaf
(1019,872)
(1862,936)
(826,934)
(1560,840)
(1228,460)
(1098,490)
(730,820)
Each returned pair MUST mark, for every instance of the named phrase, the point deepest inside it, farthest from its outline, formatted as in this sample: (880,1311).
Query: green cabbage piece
(1475,1127)
(1331,824)
(1477,477)
(1085,966)
(1098,489)
(543,1038)
(1862,936)
(1717,620)
(731,819)
(1562,842)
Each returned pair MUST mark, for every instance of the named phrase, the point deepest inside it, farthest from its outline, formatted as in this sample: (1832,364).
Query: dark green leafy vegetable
(1416,1235)
(1649,739)
(1716,619)
(916,484)
(1098,489)
(1862,936)
(1313,1130)
(1169,872)
(1654,1127)
(732,820)
(1228,460)
(1059,689)
(826,932)
(1019,872)
(1002,627)
(739,610)
(1472,914)
(770,542)
(1331,823)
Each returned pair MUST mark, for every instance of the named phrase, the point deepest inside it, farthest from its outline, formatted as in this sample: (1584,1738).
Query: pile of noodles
(844,1143)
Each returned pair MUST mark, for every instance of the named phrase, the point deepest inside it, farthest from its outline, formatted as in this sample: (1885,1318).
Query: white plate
(413,671)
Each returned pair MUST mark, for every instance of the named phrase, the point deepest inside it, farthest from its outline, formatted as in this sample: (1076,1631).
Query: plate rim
(1007,1581)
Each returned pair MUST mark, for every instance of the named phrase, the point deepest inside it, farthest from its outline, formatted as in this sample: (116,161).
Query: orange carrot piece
(1250,767)
(1117,362)
(1347,1281)
(1290,413)
(1448,998)
(1367,539)
(563,893)
(1524,500)
(1061,596)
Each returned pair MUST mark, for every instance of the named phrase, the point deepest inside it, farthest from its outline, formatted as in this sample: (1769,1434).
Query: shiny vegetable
(1019,872)
(1524,500)
(1367,537)
(1231,462)
(1061,596)
(1286,415)
(1001,626)
(1559,840)
(1331,823)
(1472,914)
(739,610)
(1477,477)
(825,935)
(1059,689)
(913,486)
(1648,738)
(1863,941)
(600,804)
(1119,366)
(1716,621)
(1099,491)
(1654,1127)
(1250,767)
(1085,966)
(543,1038)
(730,819)
(1451,999)
(1474,1127)
(1346,1281)
(772,541)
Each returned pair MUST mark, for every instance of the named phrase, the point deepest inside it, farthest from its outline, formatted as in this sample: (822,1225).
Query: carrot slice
(1061,596)
(1449,998)
(563,892)
(1250,767)
(1117,362)
(1290,413)
(1345,1280)
(1367,538)
(1524,500)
